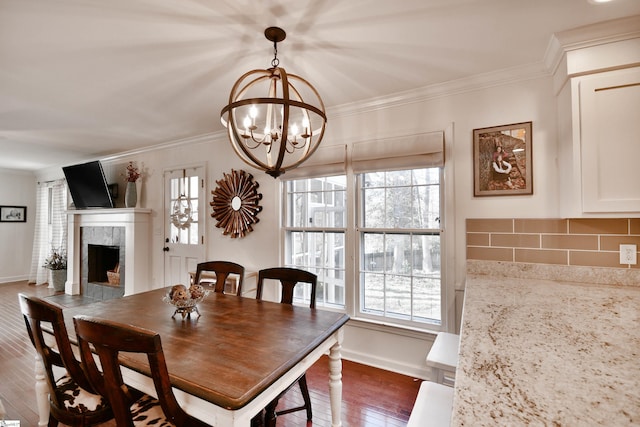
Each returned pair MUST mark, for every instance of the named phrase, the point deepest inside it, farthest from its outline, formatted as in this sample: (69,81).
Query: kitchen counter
(543,352)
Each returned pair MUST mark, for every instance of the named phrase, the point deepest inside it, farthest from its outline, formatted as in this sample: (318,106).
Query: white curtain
(51,227)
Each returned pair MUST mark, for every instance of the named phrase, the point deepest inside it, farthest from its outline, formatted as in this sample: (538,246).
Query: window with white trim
(383,216)
(399,245)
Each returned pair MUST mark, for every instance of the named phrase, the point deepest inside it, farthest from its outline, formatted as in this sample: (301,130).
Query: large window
(394,239)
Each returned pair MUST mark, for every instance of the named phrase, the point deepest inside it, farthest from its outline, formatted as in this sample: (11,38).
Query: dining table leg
(335,382)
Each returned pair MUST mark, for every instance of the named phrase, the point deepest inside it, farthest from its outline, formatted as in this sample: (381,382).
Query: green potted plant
(57,263)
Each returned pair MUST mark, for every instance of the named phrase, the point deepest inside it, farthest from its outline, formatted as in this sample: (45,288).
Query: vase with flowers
(131,192)
(56,263)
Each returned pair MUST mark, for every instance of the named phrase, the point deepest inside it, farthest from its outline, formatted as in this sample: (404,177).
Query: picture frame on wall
(13,214)
(502,160)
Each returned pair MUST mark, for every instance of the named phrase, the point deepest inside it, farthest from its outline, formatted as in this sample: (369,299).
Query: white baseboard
(9,279)
(421,372)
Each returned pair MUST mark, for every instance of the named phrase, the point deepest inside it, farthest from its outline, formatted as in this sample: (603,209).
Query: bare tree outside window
(400,244)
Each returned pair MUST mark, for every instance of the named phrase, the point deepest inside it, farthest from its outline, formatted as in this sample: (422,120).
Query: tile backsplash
(562,242)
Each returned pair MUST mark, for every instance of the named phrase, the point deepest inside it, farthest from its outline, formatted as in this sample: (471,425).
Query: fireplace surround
(121,234)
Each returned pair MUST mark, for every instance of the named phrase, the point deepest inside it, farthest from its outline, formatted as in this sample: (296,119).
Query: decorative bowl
(185,306)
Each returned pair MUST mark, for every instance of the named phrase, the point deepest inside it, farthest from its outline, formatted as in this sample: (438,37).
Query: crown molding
(588,36)
(203,138)
(454,87)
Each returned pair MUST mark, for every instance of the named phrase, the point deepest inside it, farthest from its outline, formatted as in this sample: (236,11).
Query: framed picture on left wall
(13,214)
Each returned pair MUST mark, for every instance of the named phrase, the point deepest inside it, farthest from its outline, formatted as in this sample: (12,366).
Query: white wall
(458,113)
(530,100)
(257,250)
(17,188)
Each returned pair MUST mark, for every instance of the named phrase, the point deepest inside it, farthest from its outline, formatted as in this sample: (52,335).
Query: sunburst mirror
(236,203)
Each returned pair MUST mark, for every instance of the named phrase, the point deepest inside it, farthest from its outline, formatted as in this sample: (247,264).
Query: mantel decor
(236,203)
(274,120)
(131,191)
(13,214)
(502,160)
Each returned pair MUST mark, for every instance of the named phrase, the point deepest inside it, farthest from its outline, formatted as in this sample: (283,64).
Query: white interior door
(184,223)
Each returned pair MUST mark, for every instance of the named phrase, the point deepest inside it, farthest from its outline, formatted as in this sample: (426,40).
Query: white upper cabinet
(609,133)
(597,81)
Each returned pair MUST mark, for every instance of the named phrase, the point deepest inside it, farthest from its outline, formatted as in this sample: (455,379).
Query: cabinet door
(610,141)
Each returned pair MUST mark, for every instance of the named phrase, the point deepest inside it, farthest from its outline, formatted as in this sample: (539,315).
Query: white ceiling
(88,78)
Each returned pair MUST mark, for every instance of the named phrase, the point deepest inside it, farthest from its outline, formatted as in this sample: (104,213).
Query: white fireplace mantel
(136,222)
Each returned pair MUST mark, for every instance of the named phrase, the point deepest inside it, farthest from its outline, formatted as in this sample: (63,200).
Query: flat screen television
(88,186)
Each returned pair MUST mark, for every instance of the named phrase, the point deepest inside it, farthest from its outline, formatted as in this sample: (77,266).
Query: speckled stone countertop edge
(560,273)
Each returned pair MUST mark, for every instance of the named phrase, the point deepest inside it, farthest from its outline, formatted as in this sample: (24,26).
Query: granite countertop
(544,352)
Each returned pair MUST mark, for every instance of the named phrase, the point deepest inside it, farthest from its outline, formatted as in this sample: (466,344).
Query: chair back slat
(222,269)
(289,278)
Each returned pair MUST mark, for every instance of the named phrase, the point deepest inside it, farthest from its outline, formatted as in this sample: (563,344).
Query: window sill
(395,329)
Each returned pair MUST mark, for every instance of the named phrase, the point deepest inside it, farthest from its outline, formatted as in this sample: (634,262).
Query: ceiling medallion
(236,203)
(274,120)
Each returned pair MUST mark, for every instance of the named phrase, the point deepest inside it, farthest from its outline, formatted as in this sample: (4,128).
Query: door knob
(166,249)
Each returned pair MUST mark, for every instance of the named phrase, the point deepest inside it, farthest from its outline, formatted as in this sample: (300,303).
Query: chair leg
(270,414)
(305,395)
(258,420)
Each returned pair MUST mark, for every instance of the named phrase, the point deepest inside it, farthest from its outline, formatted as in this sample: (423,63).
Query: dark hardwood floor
(370,397)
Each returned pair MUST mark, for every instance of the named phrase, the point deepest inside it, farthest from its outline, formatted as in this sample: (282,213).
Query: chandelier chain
(275,61)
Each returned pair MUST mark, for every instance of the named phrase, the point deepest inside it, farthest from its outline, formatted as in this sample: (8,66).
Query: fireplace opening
(103,261)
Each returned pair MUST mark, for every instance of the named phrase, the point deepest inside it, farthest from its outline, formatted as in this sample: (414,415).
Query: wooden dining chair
(222,269)
(130,407)
(72,400)
(288,278)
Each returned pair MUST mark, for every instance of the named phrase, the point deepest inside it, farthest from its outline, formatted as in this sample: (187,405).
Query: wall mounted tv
(88,186)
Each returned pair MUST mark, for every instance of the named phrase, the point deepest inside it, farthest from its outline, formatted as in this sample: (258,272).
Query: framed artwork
(502,160)
(13,214)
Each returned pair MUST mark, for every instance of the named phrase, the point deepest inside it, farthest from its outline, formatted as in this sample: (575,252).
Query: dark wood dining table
(228,363)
